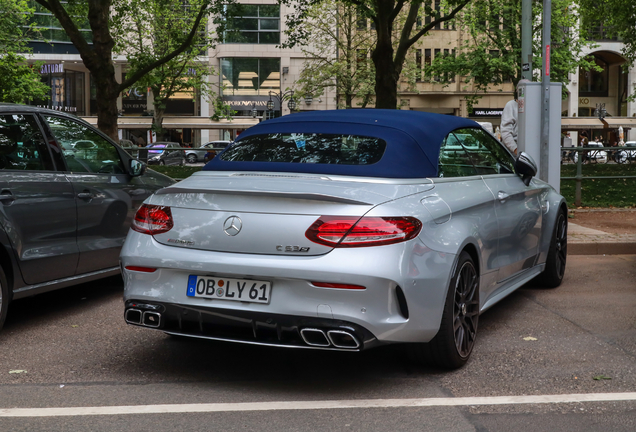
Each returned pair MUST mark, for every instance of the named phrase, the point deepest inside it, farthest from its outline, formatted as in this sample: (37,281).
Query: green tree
(617,18)
(338,56)
(155,29)
(490,53)
(19,82)
(394,22)
(104,18)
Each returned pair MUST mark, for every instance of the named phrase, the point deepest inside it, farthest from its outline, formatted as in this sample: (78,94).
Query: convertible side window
(84,149)
(22,146)
(488,155)
(454,161)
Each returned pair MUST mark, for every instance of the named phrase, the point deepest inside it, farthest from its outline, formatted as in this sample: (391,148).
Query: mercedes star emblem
(232,225)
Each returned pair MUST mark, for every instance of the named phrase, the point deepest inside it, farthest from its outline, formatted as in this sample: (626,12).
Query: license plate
(245,290)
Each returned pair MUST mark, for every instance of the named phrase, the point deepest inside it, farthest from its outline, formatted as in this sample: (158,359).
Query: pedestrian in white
(509,125)
(509,122)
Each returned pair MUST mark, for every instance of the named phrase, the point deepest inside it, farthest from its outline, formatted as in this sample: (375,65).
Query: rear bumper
(250,327)
(406,287)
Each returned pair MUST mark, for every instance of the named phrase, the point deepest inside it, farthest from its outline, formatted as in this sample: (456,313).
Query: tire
(554,271)
(192,158)
(162,163)
(455,340)
(620,157)
(4,297)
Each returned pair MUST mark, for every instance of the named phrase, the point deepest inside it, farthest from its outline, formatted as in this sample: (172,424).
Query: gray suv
(67,197)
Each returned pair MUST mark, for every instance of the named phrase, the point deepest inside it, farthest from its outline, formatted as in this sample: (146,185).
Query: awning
(615,122)
(139,122)
(577,123)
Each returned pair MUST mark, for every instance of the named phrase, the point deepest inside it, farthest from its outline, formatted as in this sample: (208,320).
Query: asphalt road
(72,349)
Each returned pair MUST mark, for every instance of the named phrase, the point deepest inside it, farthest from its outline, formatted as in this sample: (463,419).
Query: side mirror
(136,168)
(526,167)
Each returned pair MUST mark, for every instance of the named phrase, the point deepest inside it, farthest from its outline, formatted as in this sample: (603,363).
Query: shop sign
(59,108)
(246,103)
(49,68)
(482,112)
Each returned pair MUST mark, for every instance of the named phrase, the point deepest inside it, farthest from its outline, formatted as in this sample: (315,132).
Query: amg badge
(281,248)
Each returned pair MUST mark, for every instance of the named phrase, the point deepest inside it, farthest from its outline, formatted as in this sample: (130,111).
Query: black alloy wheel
(452,346)
(466,309)
(556,260)
(4,297)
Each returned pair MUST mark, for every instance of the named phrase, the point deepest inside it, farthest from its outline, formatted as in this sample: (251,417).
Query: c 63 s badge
(181,242)
(281,248)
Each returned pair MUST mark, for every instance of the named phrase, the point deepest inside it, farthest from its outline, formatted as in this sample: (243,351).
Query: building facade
(257,79)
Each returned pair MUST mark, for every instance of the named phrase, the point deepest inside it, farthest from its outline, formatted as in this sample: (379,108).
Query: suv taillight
(152,219)
(350,231)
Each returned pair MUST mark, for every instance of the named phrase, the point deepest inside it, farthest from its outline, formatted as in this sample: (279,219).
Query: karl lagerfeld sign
(487,112)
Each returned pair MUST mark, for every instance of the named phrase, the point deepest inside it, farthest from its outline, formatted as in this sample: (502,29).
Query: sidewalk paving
(588,241)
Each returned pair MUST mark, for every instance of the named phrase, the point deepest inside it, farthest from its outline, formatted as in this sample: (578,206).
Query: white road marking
(315,405)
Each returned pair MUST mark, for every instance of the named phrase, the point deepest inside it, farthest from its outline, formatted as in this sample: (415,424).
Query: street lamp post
(282,97)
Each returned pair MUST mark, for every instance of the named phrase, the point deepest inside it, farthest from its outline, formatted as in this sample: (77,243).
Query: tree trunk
(157,120)
(107,105)
(386,76)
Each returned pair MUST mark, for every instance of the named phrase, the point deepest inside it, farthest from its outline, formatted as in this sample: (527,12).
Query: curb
(601,248)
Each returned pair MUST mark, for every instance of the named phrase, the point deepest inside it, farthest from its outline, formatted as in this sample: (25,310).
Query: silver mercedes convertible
(344,230)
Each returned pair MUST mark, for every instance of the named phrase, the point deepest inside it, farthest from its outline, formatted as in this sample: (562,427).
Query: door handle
(85,195)
(502,196)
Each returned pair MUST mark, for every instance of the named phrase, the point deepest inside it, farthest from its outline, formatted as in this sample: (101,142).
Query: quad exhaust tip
(133,316)
(314,337)
(343,339)
(333,338)
(151,319)
(144,318)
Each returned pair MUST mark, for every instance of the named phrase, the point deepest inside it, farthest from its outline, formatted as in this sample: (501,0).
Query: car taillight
(152,219)
(348,231)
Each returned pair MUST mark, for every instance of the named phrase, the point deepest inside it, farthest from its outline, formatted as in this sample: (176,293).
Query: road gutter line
(315,405)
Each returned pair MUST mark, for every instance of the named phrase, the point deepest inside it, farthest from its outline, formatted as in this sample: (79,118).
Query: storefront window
(592,82)
(250,76)
(67,89)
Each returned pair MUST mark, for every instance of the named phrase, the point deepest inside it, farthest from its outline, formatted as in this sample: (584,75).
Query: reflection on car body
(67,197)
(199,154)
(346,230)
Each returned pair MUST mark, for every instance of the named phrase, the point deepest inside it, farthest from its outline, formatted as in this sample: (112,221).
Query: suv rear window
(332,149)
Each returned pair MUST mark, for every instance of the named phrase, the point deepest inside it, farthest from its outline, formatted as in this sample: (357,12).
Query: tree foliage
(151,29)
(338,56)
(105,18)
(394,22)
(490,54)
(19,82)
(616,18)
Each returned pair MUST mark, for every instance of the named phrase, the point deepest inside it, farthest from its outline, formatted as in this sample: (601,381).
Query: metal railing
(591,155)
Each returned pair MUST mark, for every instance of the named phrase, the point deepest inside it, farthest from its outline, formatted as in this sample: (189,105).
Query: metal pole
(526,39)
(545,87)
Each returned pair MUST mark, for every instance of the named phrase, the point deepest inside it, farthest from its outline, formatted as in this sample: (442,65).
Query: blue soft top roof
(413,141)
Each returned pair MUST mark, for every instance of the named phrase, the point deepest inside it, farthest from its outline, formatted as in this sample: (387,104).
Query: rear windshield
(307,148)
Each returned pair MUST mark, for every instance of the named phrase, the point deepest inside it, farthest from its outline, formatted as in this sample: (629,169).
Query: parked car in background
(345,230)
(67,197)
(198,154)
(166,153)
